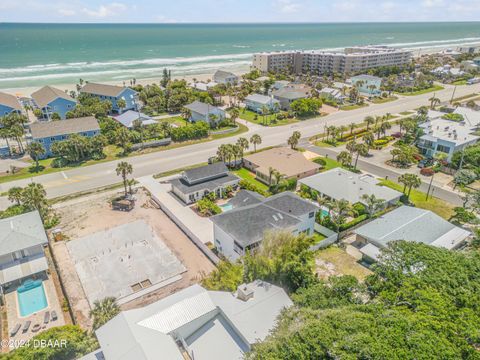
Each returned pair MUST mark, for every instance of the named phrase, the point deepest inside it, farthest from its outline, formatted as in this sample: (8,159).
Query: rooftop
(128,117)
(412,224)
(366,77)
(245,198)
(292,92)
(262,99)
(10,101)
(206,172)
(340,184)
(102,89)
(212,324)
(200,108)
(47,94)
(248,224)
(285,160)
(41,130)
(453,131)
(21,232)
(222,74)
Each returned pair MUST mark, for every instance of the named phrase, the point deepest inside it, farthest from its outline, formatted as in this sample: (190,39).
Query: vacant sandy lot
(334,261)
(86,216)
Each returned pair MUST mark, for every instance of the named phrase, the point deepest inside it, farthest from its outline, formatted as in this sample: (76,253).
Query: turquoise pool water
(31,297)
(226,207)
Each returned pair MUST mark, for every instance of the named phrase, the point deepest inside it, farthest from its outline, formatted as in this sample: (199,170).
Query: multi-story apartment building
(352,60)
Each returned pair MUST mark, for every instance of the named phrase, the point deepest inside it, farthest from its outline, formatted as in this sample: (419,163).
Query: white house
(196,183)
(410,224)
(243,227)
(194,324)
(257,103)
(204,112)
(225,77)
(447,136)
(22,240)
(128,118)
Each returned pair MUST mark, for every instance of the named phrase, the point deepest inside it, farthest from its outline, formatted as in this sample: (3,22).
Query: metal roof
(262,99)
(128,117)
(21,232)
(41,130)
(201,108)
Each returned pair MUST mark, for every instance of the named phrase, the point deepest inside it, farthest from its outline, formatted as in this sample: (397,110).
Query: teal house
(9,104)
(51,100)
(367,84)
(113,94)
(48,133)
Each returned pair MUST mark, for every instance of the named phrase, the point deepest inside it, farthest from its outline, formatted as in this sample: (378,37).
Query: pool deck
(13,314)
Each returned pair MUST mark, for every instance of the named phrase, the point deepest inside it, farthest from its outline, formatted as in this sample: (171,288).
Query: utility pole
(461,160)
(429,187)
(453,94)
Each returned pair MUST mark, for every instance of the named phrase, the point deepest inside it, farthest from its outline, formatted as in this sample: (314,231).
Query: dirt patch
(334,261)
(80,218)
(327,109)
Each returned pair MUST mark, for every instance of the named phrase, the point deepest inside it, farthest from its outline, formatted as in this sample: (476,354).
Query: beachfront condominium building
(352,60)
(50,100)
(113,94)
(9,104)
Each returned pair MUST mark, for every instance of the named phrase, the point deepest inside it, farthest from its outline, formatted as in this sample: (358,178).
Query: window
(237,248)
(311,215)
(443,148)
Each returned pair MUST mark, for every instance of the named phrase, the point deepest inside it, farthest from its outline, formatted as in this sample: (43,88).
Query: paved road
(384,172)
(91,177)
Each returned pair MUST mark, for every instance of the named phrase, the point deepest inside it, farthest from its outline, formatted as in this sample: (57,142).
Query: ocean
(41,54)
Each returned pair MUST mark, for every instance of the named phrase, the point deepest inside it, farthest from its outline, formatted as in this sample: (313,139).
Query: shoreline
(26,91)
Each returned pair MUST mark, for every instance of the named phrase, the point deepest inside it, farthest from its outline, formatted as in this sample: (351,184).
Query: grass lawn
(424,91)
(329,163)
(353,107)
(383,100)
(318,237)
(255,118)
(406,113)
(174,120)
(473,96)
(335,261)
(250,177)
(438,206)
(112,152)
(460,82)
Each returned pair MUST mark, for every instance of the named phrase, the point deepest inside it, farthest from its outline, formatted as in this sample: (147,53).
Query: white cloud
(106,10)
(66,12)
(432,3)
(287,6)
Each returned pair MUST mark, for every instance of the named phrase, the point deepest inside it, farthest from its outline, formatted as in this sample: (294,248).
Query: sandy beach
(206,77)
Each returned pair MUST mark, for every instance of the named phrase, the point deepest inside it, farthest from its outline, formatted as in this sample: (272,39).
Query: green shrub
(247,185)
(354,222)
(359,209)
(453,117)
(320,161)
(380,142)
(207,207)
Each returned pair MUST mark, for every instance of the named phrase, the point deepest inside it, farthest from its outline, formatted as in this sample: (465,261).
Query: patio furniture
(54,315)
(36,327)
(46,318)
(15,330)
(26,326)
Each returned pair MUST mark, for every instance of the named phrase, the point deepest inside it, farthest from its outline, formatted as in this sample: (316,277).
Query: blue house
(113,94)
(47,133)
(202,112)
(367,84)
(9,104)
(51,100)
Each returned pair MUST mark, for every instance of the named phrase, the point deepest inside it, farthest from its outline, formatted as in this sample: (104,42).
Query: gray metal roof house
(410,224)
(195,183)
(202,112)
(22,239)
(243,227)
(195,324)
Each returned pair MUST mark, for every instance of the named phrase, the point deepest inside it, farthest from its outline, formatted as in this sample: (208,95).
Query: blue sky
(162,11)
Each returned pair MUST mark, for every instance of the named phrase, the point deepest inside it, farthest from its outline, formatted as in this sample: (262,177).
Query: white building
(447,136)
(409,224)
(225,77)
(205,112)
(257,102)
(194,324)
(353,59)
(243,227)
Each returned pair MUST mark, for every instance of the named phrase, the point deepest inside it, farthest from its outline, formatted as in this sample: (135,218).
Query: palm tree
(434,101)
(103,311)
(34,197)
(186,114)
(36,150)
(409,181)
(271,171)
(352,127)
(351,146)
(243,143)
(264,110)
(234,114)
(360,149)
(222,152)
(122,104)
(14,194)
(255,139)
(369,139)
(277,177)
(372,204)
(344,158)
(369,120)
(293,140)
(340,210)
(123,169)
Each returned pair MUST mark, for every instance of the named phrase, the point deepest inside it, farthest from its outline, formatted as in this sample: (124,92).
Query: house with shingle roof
(51,101)
(195,184)
(47,133)
(289,94)
(22,239)
(242,228)
(9,104)
(113,94)
(257,102)
(409,224)
(200,111)
(225,77)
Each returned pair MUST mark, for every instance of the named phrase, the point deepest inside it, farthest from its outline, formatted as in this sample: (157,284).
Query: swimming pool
(226,207)
(31,297)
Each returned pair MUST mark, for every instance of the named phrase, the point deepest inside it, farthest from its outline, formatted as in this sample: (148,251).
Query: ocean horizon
(37,54)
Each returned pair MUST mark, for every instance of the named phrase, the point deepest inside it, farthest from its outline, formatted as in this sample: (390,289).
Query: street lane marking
(64,175)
